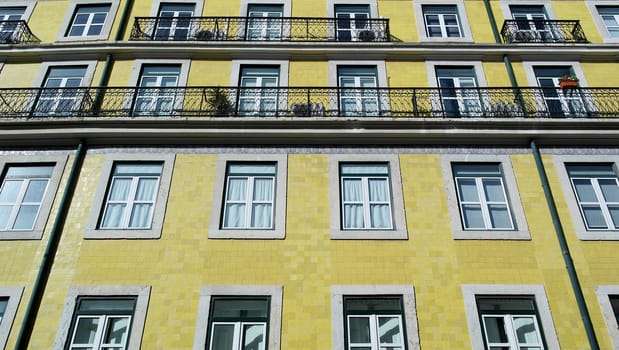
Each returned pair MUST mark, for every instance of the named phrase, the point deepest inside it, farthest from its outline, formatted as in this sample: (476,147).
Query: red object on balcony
(568,83)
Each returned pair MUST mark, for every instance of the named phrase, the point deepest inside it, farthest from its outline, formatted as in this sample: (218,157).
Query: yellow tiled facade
(420,104)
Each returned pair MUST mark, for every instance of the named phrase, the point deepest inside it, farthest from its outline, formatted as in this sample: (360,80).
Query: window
(510,322)
(133,197)
(8,22)
(458,94)
(369,198)
(174,22)
(374,317)
(605,14)
(597,191)
(158,94)
(9,300)
(103,318)
(610,16)
(238,322)
(264,22)
(101,323)
(250,194)
(21,195)
(350,20)
(249,200)
(559,102)
(608,297)
(358,91)
(366,198)
(374,322)
(442,21)
(88,20)
(259,90)
(509,317)
(483,197)
(61,95)
(27,191)
(239,317)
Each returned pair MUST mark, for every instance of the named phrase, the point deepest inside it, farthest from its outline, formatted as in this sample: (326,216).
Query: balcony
(542,31)
(16,32)
(310,102)
(259,29)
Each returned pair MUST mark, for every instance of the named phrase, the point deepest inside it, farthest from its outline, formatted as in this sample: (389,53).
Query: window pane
(5,212)
(106,305)
(86,330)
(584,190)
(353,216)
(223,336)
(147,188)
(378,190)
(117,329)
(472,216)
(35,191)
(10,190)
(25,217)
(29,172)
(526,330)
(384,304)
(594,217)
(494,190)
(495,329)
(253,337)
(240,308)
(389,330)
(380,216)
(468,190)
(120,189)
(234,215)
(113,215)
(499,216)
(237,189)
(251,169)
(352,190)
(359,330)
(609,189)
(364,169)
(614,214)
(263,189)
(261,216)
(140,216)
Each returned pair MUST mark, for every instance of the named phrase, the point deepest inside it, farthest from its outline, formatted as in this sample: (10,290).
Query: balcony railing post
(415,106)
(36,102)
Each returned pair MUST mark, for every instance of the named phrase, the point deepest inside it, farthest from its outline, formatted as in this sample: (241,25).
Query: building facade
(278,174)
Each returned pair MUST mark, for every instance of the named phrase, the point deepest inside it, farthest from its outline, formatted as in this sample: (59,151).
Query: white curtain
(114,211)
(353,213)
(262,212)
(380,214)
(140,216)
(235,211)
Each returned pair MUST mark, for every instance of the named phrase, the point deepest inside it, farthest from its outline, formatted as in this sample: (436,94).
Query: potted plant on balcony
(568,82)
(366,35)
(218,102)
(205,34)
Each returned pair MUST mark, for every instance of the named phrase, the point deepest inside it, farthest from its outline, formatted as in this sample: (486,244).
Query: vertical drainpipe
(497,39)
(40,283)
(565,250)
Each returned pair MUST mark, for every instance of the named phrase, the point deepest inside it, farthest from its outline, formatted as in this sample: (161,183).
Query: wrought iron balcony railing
(16,32)
(314,102)
(259,29)
(542,31)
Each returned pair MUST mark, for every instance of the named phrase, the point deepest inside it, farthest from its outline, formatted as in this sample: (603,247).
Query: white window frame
(467,36)
(141,293)
(442,25)
(45,66)
(592,5)
(507,13)
(470,291)
(29,7)
(156,5)
(399,230)
(14,295)
(373,4)
(68,19)
(603,293)
(279,213)
(287,5)
(572,203)
(284,67)
(59,161)
(275,314)
(407,293)
(520,231)
(100,199)
(381,75)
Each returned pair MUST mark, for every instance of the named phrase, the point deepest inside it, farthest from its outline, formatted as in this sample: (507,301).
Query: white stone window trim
(279,214)
(592,5)
(287,4)
(572,203)
(603,293)
(45,67)
(399,231)
(50,194)
(154,10)
(521,231)
(532,80)
(467,35)
(134,77)
(381,72)
(505,4)
(407,292)
(14,294)
(92,228)
(477,66)
(275,314)
(29,5)
(142,294)
(372,3)
(68,18)
(284,66)
(470,291)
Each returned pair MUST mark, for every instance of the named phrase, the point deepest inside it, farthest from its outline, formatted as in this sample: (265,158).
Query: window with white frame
(366,196)
(482,196)
(608,297)
(101,323)
(131,196)
(9,301)
(259,93)
(610,16)
(61,94)
(442,21)
(9,17)
(458,94)
(596,188)
(88,20)
(265,21)
(374,322)
(157,93)
(358,90)
(239,322)
(3,303)
(174,21)
(249,196)
(510,322)
(350,21)
(22,193)
(558,102)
